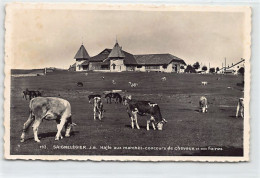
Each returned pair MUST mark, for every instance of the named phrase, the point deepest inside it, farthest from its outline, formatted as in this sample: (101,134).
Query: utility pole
(225,64)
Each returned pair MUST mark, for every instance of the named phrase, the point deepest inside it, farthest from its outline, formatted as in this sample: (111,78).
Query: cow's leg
(95,113)
(26,125)
(68,127)
(154,128)
(136,122)
(60,126)
(238,107)
(147,124)
(242,112)
(152,119)
(132,123)
(36,124)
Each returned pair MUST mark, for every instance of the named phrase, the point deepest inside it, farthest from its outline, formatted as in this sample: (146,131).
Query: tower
(116,58)
(82,59)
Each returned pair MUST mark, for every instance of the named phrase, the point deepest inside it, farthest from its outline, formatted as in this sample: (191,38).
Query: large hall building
(118,60)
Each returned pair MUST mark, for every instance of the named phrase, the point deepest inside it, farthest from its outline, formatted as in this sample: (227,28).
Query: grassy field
(187,132)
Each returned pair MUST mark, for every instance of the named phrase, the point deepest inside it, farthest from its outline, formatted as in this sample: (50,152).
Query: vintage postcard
(127,82)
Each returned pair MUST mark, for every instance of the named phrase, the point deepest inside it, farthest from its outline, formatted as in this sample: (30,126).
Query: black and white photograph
(127,82)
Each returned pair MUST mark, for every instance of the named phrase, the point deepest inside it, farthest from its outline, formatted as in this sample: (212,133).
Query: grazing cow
(31,94)
(90,97)
(116,96)
(204,83)
(133,85)
(203,103)
(142,108)
(240,107)
(49,108)
(163,79)
(80,84)
(98,108)
(113,82)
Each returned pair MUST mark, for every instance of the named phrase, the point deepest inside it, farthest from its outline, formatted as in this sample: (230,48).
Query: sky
(51,38)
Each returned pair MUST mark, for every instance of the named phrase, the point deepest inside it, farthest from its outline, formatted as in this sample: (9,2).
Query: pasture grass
(177,97)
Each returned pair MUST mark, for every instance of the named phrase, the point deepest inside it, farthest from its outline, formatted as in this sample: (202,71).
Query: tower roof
(82,53)
(116,52)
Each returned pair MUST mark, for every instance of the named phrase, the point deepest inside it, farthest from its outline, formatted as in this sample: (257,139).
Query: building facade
(118,60)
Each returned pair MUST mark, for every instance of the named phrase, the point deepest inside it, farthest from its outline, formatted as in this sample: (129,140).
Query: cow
(113,82)
(80,84)
(98,108)
(133,85)
(240,107)
(91,97)
(31,94)
(203,104)
(204,83)
(163,79)
(48,108)
(144,108)
(116,96)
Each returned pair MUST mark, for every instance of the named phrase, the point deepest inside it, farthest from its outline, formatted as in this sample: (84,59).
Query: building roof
(116,52)
(82,53)
(157,59)
(103,56)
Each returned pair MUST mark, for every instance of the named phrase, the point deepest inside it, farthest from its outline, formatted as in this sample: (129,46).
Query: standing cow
(98,108)
(49,108)
(240,107)
(142,108)
(203,103)
(31,94)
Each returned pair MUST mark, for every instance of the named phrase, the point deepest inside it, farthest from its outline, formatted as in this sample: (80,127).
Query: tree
(196,65)
(217,69)
(204,68)
(190,69)
(241,70)
(212,70)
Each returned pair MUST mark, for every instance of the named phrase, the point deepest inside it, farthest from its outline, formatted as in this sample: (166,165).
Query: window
(114,66)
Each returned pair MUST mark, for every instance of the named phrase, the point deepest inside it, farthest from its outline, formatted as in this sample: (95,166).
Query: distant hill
(26,71)
(34,71)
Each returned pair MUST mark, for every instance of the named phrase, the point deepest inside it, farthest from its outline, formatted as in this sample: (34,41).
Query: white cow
(203,103)
(49,108)
(204,83)
(240,107)
(133,85)
(163,79)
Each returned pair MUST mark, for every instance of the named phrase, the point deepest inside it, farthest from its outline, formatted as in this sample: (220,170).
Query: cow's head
(160,124)
(126,99)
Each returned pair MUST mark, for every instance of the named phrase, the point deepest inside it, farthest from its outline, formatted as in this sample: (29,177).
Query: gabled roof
(82,53)
(157,59)
(116,52)
(129,59)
